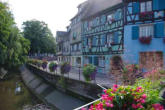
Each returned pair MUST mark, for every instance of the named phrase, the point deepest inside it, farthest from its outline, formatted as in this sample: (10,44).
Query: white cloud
(56,13)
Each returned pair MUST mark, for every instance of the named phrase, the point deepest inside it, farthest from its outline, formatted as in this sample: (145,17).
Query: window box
(145,40)
(146,15)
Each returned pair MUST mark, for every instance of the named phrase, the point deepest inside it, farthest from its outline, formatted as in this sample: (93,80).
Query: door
(151,60)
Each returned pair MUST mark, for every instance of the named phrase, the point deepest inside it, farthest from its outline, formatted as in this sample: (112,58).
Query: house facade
(103,34)
(144,33)
(63,46)
(75,35)
(111,33)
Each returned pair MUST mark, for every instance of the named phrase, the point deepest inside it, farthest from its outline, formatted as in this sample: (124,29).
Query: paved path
(102,79)
(48,93)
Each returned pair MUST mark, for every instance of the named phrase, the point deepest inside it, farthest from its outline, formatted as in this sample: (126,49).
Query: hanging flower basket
(44,64)
(145,40)
(65,68)
(52,66)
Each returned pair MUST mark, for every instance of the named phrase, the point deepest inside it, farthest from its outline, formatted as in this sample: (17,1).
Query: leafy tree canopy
(42,40)
(13,46)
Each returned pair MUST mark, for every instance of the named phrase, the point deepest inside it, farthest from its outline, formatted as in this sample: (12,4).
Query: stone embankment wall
(83,90)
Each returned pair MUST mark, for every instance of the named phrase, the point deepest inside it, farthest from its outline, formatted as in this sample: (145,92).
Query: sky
(56,13)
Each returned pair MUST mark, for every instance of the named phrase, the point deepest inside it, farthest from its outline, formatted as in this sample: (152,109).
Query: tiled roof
(100,5)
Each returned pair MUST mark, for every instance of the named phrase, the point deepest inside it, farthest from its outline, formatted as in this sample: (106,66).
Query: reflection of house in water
(114,32)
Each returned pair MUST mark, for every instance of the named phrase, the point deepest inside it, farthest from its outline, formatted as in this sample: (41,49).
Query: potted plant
(145,40)
(89,72)
(52,67)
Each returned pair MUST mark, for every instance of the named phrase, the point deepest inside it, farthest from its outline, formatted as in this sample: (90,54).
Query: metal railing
(86,106)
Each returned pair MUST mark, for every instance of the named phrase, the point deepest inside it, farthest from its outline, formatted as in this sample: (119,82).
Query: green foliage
(35,62)
(39,34)
(62,82)
(88,70)
(128,98)
(152,89)
(13,47)
(52,66)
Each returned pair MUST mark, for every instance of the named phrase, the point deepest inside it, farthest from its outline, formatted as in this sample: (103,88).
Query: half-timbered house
(144,31)
(103,33)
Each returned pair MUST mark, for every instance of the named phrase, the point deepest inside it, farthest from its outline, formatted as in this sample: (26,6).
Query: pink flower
(143,101)
(115,86)
(105,91)
(114,90)
(144,96)
(111,105)
(107,104)
(157,107)
(134,106)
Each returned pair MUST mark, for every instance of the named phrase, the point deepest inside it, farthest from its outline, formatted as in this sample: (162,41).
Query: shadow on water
(8,99)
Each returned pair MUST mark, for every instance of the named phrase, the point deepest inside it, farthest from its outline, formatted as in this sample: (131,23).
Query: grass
(8,99)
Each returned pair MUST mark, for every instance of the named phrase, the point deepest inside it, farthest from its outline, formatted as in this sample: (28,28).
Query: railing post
(79,72)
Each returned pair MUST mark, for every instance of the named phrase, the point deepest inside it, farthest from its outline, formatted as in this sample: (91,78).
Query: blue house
(102,33)
(144,31)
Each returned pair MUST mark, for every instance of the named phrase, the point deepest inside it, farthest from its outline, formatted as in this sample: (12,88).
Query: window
(110,18)
(146,6)
(101,61)
(110,38)
(146,31)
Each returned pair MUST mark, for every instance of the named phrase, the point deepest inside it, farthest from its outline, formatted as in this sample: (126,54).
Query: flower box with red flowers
(145,40)
(146,15)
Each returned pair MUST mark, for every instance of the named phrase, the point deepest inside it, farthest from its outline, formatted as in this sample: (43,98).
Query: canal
(11,101)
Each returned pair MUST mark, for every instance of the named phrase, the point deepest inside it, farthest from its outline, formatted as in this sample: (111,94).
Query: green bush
(88,70)
(151,89)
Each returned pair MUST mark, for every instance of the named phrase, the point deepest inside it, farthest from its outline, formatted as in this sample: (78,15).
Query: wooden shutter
(96,61)
(135,32)
(116,38)
(136,7)
(159,30)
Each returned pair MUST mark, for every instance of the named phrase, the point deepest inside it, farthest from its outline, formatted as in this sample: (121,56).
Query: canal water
(8,99)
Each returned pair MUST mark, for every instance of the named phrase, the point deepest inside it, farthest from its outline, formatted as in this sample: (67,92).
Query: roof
(82,5)
(100,5)
(61,33)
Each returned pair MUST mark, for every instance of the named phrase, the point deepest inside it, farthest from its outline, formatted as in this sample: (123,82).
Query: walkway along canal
(48,93)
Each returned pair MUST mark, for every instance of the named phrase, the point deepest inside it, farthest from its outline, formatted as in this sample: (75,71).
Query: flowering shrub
(146,15)
(44,64)
(130,72)
(155,74)
(145,40)
(52,66)
(35,62)
(65,68)
(89,72)
(125,98)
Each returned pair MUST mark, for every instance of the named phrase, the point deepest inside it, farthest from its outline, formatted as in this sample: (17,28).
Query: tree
(6,22)
(13,46)
(42,40)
